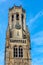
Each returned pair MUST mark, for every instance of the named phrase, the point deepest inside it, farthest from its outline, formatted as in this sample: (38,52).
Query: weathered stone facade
(17,35)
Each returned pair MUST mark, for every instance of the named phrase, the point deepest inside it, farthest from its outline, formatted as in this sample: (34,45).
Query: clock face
(18,26)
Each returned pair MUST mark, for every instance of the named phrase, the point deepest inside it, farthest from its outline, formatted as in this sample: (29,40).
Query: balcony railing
(18,41)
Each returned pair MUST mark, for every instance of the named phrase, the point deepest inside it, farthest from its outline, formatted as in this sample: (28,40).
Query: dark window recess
(10,34)
(15,52)
(17,16)
(12,17)
(22,17)
(20,52)
(24,36)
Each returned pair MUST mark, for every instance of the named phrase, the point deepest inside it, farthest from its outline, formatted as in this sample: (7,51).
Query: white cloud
(37,44)
(32,20)
(37,41)
(1,58)
(37,61)
(16,2)
(38,34)
(37,38)
(2,1)
(39,50)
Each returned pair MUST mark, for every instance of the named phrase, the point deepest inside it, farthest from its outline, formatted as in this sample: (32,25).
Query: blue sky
(34,20)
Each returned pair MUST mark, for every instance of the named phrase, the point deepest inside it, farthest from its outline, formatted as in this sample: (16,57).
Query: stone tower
(17,49)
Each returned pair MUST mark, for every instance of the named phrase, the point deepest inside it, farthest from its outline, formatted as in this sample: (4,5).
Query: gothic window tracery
(20,52)
(15,52)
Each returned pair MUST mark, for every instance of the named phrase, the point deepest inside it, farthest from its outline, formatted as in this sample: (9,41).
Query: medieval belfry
(17,49)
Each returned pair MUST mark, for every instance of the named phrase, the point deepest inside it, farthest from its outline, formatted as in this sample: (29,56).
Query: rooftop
(20,7)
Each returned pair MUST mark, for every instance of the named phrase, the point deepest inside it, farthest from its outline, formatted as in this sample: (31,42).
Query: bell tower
(17,49)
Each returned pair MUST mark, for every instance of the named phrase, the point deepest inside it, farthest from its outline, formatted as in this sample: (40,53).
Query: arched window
(17,16)
(20,51)
(15,51)
(12,17)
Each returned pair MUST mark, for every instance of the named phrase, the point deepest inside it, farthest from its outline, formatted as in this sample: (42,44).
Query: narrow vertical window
(15,52)
(17,16)
(10,34)
(24,36)
(22,17)
(12,17)
(20,52)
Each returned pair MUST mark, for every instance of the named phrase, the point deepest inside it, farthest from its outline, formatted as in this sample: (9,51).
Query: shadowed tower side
(17,49)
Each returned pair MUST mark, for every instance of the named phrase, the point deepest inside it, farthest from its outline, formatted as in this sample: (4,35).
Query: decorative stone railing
(18,41)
